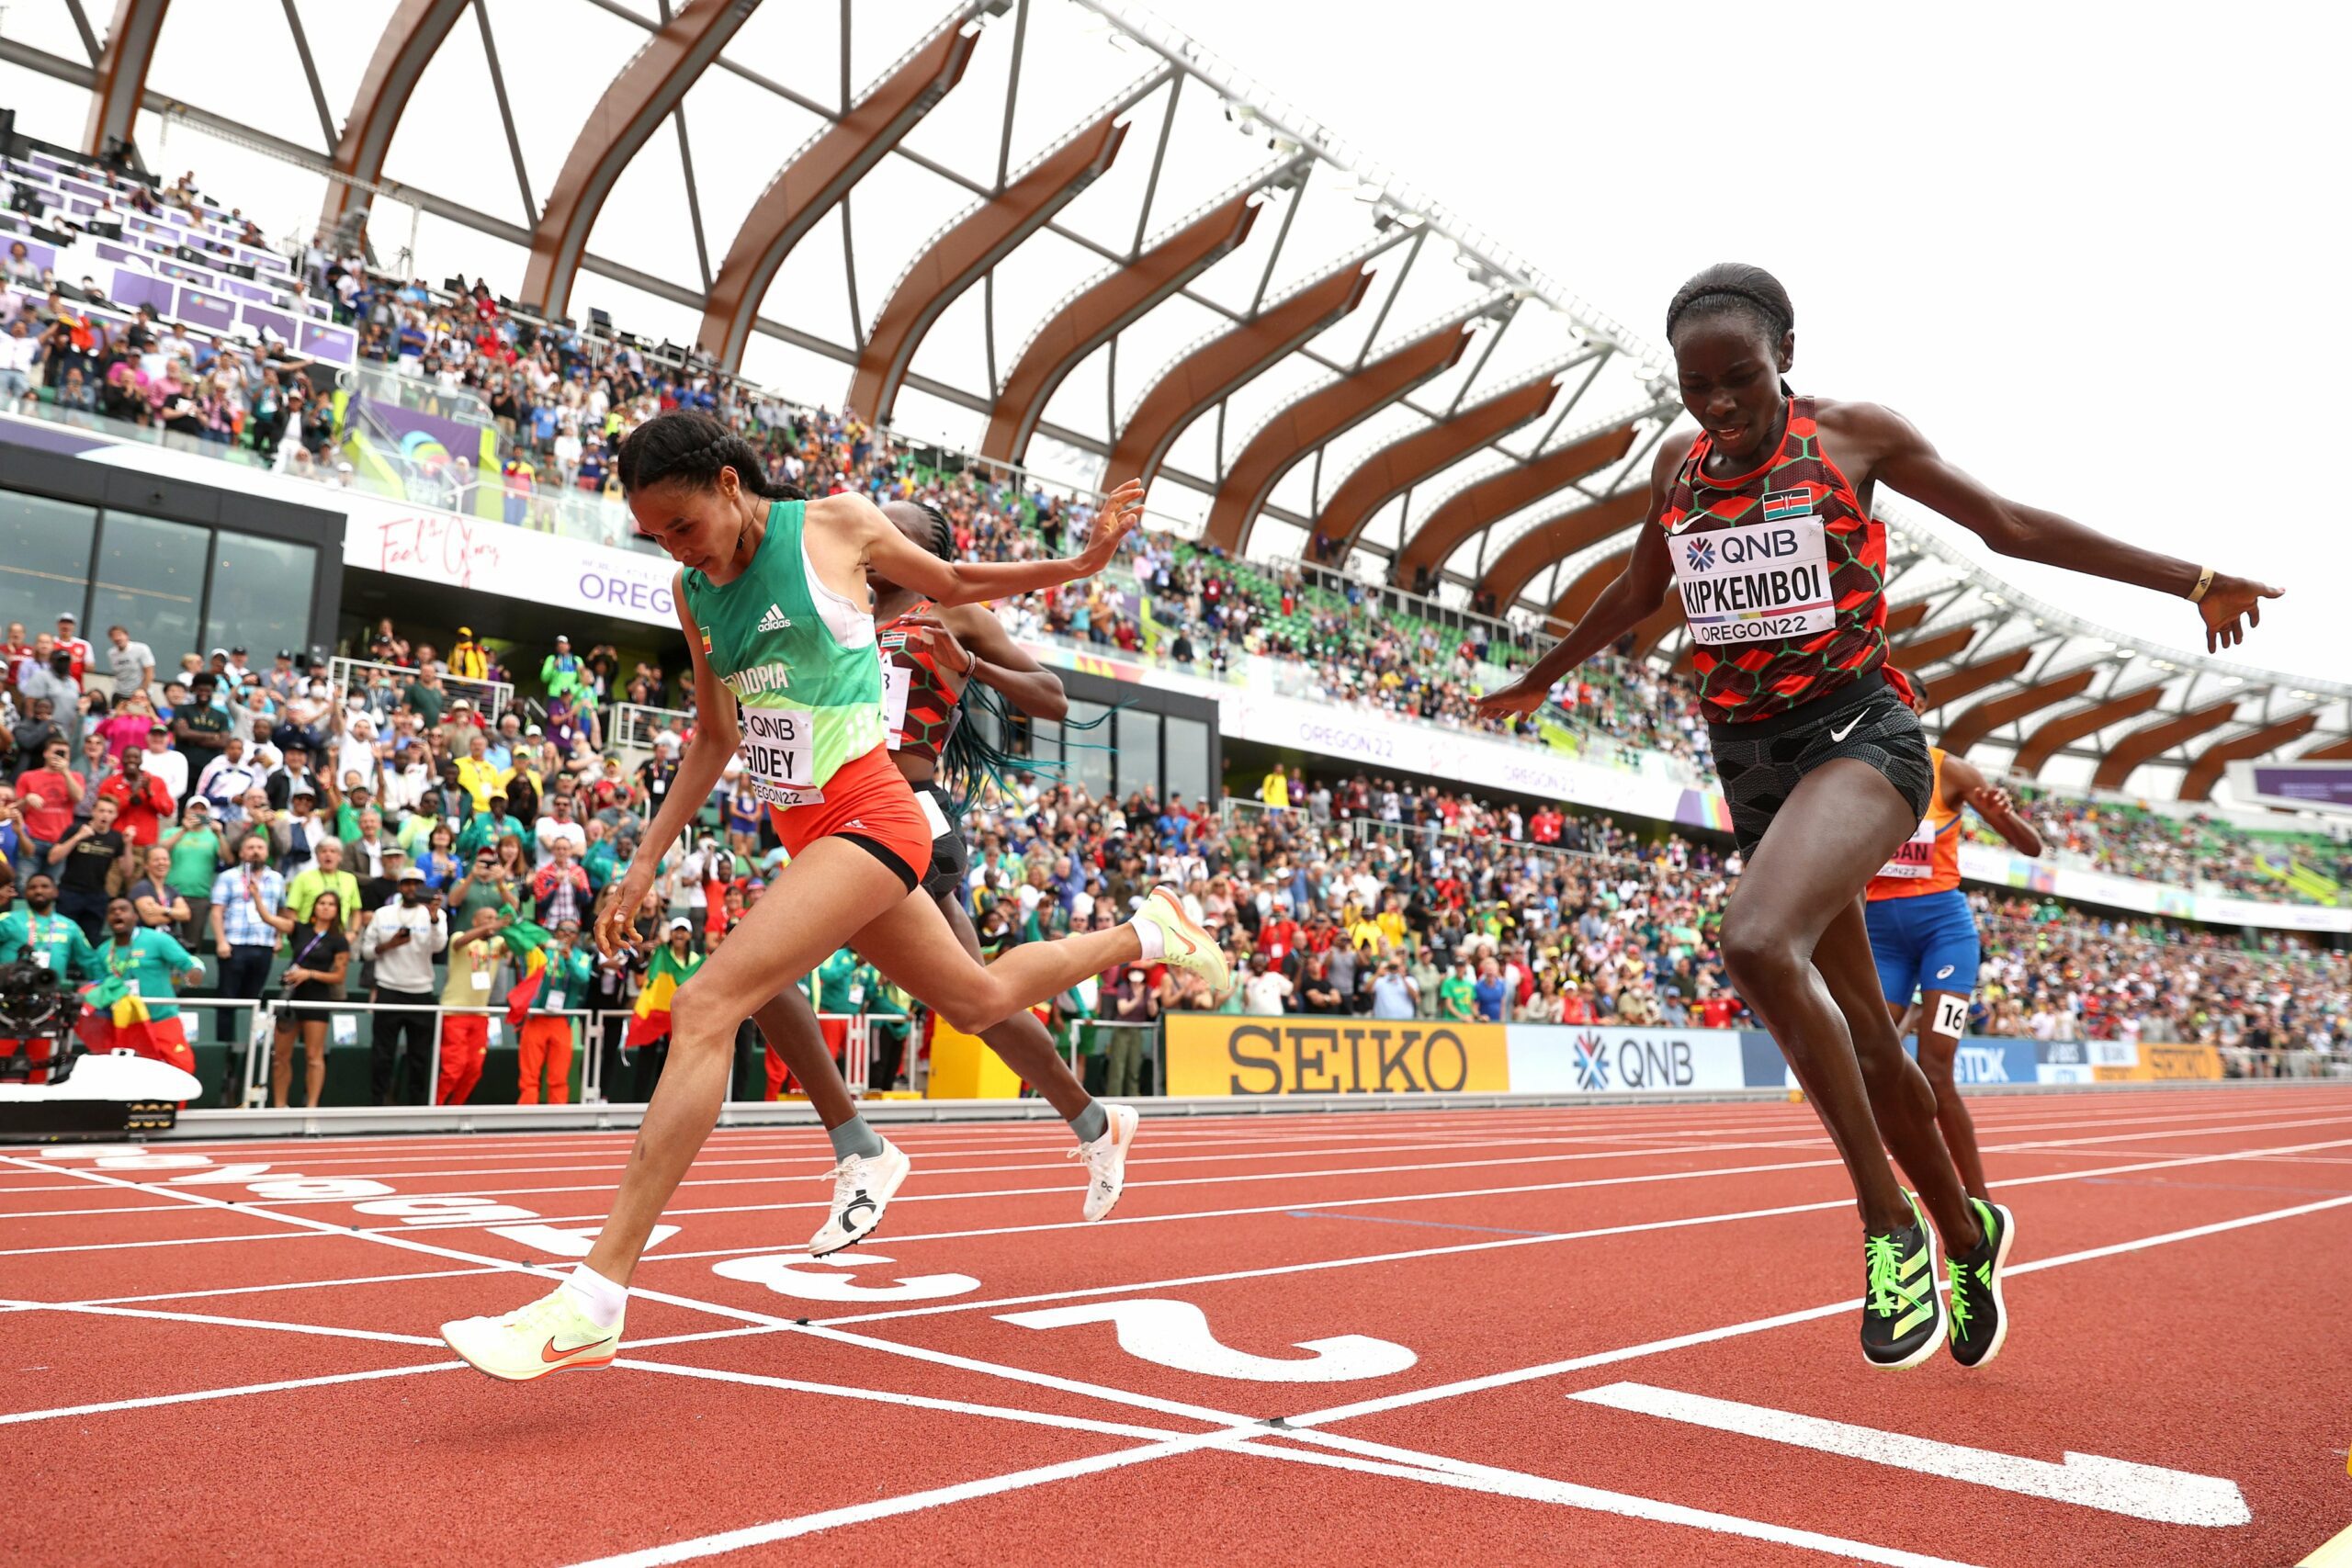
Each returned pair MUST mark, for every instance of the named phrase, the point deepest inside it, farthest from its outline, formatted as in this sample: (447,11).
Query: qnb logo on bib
(1757,583)
(776,754)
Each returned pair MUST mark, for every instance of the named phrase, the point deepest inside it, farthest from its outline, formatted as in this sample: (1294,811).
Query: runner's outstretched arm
(1638,590)
(1963,781)
(1907,460)
(887,553)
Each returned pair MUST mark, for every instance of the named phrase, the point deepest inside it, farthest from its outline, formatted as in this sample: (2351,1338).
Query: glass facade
(1086,761)
(177,587)
(1137,758)
(1184,748)
(44,560)
(1131,749)
(150,582)
(261,595)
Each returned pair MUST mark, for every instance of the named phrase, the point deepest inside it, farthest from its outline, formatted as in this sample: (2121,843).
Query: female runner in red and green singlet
(1761,523)
(773,599)
(932,655)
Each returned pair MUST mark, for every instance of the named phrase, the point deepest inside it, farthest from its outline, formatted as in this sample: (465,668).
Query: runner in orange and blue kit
(1922,936)
(1762,523)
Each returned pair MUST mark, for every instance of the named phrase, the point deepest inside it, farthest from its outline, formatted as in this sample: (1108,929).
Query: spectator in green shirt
(1458,997)
(146,960)
(561,669)
(55,941)
(427,696)
(326,877)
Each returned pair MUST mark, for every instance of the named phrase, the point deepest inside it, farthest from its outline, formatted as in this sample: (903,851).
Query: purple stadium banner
(2315,784)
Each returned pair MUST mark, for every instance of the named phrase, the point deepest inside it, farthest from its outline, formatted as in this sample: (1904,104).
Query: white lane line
(270,1323)
(195,1396)
(2085,1481)
(1779,1320)
(915,1502)
(1411,1465)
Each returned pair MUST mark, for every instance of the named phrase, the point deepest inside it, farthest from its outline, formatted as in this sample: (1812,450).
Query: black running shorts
(951,858)
(1760,764)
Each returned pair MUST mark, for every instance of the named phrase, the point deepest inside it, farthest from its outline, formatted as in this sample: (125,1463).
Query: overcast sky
(2095,253)
(2098,261)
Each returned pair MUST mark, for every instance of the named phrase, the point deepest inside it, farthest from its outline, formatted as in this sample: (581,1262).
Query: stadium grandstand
(316,576)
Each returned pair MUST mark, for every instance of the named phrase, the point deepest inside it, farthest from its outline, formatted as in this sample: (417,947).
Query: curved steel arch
(1932,648)
(1988,715)
(962,254)
(1971,679)
(1102,310)
(2053,735)
(1901,618)
(1573,605)
(2205,771)
(409,42)
(2154,739)
(1320,416)
(1402,464)
(2334,751)
(121,78)
(1226,362)
(1558,538)
(634,105)
(1473,506)
(813,181)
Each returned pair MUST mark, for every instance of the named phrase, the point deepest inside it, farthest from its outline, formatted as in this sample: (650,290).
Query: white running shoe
(1185,944)
(863,1188)
(1106,1160)
(548,1336)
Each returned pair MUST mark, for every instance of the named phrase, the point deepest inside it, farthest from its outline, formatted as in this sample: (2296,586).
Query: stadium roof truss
(1192,280)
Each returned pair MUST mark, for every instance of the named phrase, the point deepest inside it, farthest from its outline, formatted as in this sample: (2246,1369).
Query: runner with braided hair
(772,595)
(1761,523)
(937,658)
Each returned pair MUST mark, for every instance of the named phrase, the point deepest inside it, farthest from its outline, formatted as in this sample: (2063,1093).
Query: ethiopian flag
(527,940)
(116,1018)
(663,976)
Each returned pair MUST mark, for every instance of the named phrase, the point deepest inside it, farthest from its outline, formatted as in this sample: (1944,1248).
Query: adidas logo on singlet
(775,620)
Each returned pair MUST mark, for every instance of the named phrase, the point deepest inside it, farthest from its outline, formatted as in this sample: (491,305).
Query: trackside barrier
(857,1067)
(1153,1042)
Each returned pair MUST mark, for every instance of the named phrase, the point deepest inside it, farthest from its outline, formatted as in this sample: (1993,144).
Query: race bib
(1914,859)
(1952,1015)
(778,756)
(933,815)
(1759,582)
(897,682)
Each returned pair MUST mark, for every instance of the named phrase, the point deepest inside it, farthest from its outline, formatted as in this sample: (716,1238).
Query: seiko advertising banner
(1218,1054)
(1574,1058)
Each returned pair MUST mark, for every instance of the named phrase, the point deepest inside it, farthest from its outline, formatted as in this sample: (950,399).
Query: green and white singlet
(800,659)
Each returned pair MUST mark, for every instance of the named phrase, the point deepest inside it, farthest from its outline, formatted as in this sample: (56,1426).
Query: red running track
(1594,1336)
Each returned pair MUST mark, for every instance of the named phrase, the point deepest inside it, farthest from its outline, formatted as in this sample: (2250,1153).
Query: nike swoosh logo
(553,1353)
(1841,734)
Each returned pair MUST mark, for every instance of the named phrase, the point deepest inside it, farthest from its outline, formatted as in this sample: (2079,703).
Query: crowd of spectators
(1344,894)
(2126,839)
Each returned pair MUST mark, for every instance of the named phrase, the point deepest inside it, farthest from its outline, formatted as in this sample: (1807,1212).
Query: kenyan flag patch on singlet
(1780,506)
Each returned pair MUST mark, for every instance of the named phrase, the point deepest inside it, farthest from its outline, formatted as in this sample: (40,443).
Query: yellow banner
(2166,1064)
(1217,1053)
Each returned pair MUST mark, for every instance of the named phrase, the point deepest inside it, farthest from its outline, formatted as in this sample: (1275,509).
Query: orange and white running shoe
(1186,944)
(549,1335)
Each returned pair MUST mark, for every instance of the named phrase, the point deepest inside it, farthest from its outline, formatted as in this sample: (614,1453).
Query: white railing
(489,697)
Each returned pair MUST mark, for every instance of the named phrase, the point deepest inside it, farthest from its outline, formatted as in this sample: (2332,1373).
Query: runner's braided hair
(969,761)
(1733,286)
(691,446)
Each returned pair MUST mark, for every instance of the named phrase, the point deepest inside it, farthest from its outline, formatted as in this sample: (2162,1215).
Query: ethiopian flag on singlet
(663,976)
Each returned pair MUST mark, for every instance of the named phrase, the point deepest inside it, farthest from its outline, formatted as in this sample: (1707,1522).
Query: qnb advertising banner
(1566,1059)
(1984,1060)
(1218,1054)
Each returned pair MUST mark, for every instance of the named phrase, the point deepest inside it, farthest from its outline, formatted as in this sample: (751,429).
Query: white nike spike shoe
(1106,1160)
(1185,944)
(863,1186)
(548,1336)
